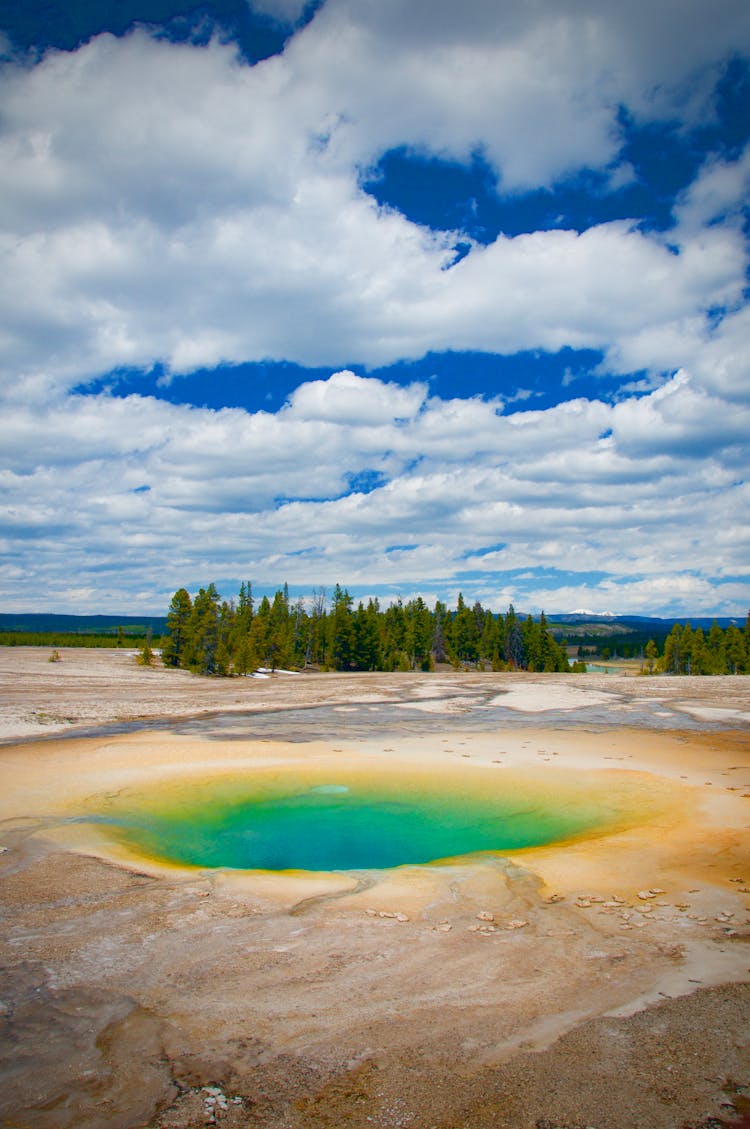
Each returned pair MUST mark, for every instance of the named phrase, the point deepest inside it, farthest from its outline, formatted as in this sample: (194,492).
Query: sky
(409,295)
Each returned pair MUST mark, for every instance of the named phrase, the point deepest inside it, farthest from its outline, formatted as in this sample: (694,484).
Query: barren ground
(603,982)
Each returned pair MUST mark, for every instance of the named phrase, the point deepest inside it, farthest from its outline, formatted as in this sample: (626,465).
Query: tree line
(209,635)
(109,640)
(688,651)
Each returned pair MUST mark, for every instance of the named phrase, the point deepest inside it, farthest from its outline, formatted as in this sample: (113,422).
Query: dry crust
(598,983)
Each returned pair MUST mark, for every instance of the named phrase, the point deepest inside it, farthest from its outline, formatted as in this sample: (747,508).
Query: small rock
(485,915)
(516,923)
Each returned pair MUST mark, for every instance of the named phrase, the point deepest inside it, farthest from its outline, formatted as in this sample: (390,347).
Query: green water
(297,822)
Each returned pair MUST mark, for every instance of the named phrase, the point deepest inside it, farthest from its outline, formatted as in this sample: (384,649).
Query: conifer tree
(178,621)
(515,654)
(200,653)
(418,634)
(341,631)
(673,650)
(734,649)
(439,644)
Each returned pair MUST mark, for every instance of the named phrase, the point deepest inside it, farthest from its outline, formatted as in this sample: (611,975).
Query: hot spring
(311,820)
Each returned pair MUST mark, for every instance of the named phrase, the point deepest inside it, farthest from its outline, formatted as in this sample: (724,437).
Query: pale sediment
(484,991)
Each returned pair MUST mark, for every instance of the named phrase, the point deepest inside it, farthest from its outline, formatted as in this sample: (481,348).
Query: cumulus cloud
(350,399)
(164,203)
(538,87)
(266,495)
(720,192)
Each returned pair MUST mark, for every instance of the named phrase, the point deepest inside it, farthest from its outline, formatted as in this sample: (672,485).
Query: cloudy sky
(412,295)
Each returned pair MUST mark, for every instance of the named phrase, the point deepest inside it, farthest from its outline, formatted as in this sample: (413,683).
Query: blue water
(358,823)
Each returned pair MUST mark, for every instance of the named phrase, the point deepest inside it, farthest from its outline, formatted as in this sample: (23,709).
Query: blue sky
(418,297)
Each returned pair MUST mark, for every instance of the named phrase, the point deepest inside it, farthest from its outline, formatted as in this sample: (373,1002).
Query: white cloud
(720,191)
(165,202)
(162,202)
(580,486)
(537,86)
(350,399)
(286,12)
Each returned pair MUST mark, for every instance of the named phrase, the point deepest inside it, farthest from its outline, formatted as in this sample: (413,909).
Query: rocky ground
(95,687)
(602,984)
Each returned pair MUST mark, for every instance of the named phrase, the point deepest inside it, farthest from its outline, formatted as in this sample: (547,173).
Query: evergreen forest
(209,635)
(688,651)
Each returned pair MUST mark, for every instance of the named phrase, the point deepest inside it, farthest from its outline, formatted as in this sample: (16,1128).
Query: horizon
(522,613)
(476,320)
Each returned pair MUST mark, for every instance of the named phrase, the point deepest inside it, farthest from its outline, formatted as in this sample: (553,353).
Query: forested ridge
(209,635)
(688,651)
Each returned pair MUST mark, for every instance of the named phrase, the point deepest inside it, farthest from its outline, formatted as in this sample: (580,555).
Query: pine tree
(367,653)
(439,644)
(203,632)
(515,653)
(315,650)
(464,634)
(686,650)
(178,627)
(716,656)
(395,655)
(532,644)
(418,635)
(734,649)
(146,656)
(281,632)
(490,644)
(260,633)
(341,631)
(673,650)
(698,653)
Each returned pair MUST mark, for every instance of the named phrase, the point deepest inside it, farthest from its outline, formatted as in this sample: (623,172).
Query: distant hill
(641,623)
(624,635)
(82,624)
(574,623)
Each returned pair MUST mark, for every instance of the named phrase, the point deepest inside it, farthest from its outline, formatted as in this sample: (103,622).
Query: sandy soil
(601,983)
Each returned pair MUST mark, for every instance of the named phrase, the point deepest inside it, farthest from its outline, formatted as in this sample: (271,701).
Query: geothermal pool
(307,821)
